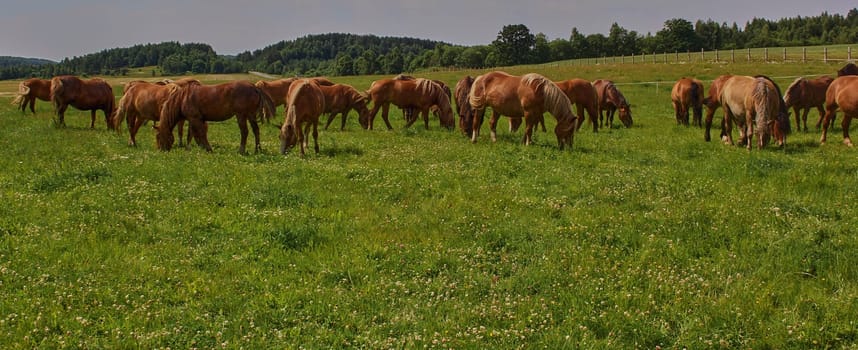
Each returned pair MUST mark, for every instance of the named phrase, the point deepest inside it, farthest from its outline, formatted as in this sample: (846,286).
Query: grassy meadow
(645,237)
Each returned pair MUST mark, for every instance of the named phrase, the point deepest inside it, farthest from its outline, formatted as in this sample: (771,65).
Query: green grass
(637,238)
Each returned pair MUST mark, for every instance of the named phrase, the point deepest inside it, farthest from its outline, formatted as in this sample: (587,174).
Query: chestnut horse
(611,100)
(420,94)
(583,95)
(342,99)
(841,94)
(200,103)
(712,102)
(756,106)
(86,95)
(528,97)
(306,102)
(848,69)
(278,90)
(142,102)
(463,107)
(31,89)
(409,112)
(804,94)
(687,94)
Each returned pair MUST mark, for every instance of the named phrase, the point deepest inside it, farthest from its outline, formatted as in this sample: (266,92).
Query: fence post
(665,57)
(702,56)
(653,57)
(689,55)
(717,58)
(849,53)
(677,56)
(825,54)
(785,55)
(766,55)
(749,54)
(732,55)
(803,54)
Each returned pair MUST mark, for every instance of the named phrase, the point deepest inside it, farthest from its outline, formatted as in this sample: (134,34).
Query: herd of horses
(753,103)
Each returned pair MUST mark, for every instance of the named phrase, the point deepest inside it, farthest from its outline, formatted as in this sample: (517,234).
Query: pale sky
(55,29)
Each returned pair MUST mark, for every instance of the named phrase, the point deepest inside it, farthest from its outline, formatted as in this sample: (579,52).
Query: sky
(55,29)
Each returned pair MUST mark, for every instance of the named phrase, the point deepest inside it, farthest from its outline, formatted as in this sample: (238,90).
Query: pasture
(636,238)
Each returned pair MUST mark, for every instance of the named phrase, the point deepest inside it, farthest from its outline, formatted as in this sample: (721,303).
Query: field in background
(415,238)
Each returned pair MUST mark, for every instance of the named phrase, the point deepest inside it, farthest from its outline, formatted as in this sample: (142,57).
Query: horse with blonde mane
(583,95)
(142,102)
(841,94)
(420,94)
(687,95)
(712,102)
(463,107)
(611,100)
(341,99)
(200,103)
(528,97)
(756,106)
(31,89)
(306,102)
(409,112)
(804,94)
(86,95)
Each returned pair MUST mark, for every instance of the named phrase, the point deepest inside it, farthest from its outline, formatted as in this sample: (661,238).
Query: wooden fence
(780,54)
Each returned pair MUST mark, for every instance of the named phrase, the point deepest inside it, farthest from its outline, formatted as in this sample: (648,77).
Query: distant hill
(9,61)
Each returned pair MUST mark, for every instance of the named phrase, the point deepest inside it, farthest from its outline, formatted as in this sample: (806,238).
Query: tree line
(348,54)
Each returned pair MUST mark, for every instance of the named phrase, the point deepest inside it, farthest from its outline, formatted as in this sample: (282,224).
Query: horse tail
(124,103)
(763,109)
(696,98)
(266,105)
(56,92)
(23,92)
(111,107)
(171,113)
(476,97)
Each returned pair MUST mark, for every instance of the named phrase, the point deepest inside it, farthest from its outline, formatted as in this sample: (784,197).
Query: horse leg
(371,117)
(514,124)
(242,127)
(710,112)
(830,111)
(727,127)
(425,113)
(821,116)
(331,117)
(198,127)
(254,126)
(476,123)
(343,124)
(847,118)
(32,101)
(300,136)
(385,109)
(493,123)
(804,119)
(92,119)
(61,115)
(134,125)
(529,123)
(316,136)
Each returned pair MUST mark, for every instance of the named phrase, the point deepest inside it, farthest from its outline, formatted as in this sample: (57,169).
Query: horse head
(625,113)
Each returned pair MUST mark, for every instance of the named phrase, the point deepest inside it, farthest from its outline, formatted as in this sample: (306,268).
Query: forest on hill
(339,54)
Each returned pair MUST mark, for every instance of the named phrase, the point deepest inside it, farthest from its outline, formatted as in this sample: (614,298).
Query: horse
(408,113)
(31,89)
(306,102)
(712,102)
(342,99)
(420,94)
(611,100)
(142,102)
(687,94)
(278,90)
(849,69)
(841,94)
(804,94)
(200,103)
(86,95)
(756,105)
(583,95)
(463,107)
(528,97)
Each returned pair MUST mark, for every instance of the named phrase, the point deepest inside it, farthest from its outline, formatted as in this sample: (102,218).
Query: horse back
(843,92)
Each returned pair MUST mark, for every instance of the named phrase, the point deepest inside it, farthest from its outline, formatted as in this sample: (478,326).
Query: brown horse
(611,100)
(86,95)
(420,94)
(409,112)
(848,69)
(712,102)
(756,106)
(687,94)
(200,103)
(528,97)
(583,95)
(841,94)
(142,102)
(31,89)
(463,107)
(342,99)
(278,90)
(804,94)
(305,104)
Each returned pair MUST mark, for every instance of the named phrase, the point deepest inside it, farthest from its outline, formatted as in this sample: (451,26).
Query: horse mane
(554,99)
(171,110)
(426,86)
(616,96)
(783,113)
(761,105)
(789,90)
(291,113)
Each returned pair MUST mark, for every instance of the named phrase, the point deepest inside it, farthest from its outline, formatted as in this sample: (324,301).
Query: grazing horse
(306,102)
(463,107)
(611,100)
(712,102)
(86,95)
(142,102)
(583,95)
(528,97)
(31,89)
(409,112)
(804,94)
(200,103)
(420,94)
(687,94)
(756,105)
(848,69)
(278,90)
(341,98)
(841,94)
